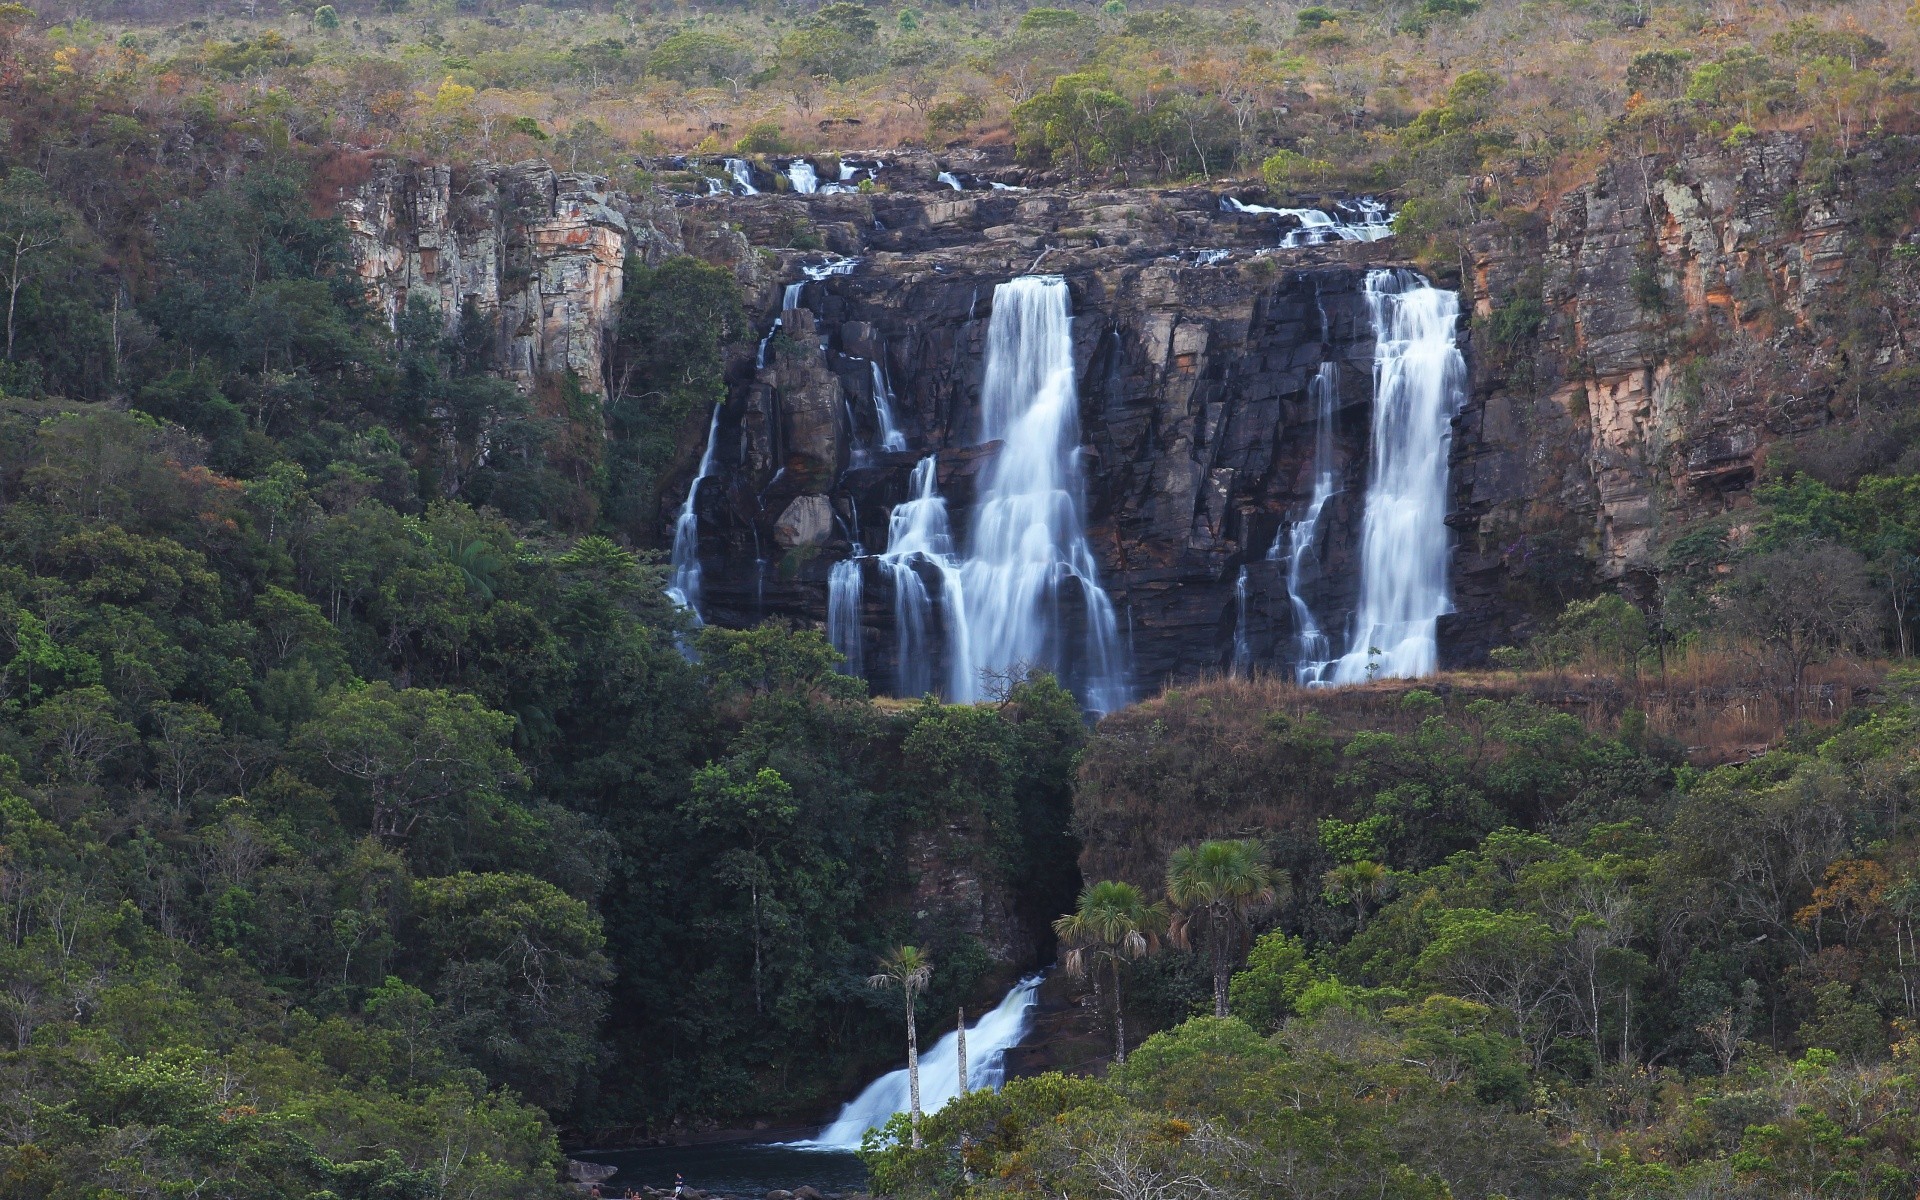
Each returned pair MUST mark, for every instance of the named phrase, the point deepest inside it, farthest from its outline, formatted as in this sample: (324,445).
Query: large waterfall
(988,1041)
(1029,560)
(1419,382)
(919,536)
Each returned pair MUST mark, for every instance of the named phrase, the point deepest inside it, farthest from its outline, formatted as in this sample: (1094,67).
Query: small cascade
(892,441)
(795,292)
(715,187)
(843,612)
(988,1041)
(742,173)
(952,181)
(1362,220)
(918,532)
(801,175)
(1310,647)
(1242,643)
(1419,383)
(685,587)
(1029,538)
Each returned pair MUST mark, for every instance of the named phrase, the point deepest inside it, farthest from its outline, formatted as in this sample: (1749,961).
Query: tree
(1112,923)
(414,758)
(1360,883)
(909,969)
(33,223)
(1801,604)
(1216,886)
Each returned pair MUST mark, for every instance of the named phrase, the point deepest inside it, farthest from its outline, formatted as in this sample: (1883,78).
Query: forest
(372,826)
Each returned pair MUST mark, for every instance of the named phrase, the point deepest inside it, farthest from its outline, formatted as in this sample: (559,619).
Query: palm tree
(1363,882)
(909,969)
(1113,923)
(1216,886)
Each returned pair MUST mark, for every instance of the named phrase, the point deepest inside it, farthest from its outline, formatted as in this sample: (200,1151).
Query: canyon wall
(1639,344)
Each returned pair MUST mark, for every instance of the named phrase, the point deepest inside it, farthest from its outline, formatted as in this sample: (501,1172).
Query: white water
(685,587)
(892,441)
(1310,647)
(1419,382)
(843,612)
(1029,539)
(948,178)
(801,175)
(742,176)
(988,1040)
(918,532)
(793,293)
(1242,642)
(1362,220)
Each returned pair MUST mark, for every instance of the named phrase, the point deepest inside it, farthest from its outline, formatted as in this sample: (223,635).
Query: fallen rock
(589,1172)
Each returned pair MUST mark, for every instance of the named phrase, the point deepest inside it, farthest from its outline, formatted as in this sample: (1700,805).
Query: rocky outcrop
(1695,312)
(530,259)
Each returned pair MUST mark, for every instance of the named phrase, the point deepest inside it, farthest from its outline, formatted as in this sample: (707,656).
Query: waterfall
(1419,382)
(918,532)
(742,176)
(892,441)
(988,1041)
(801,175)
(1362,220)
(952,181)
(1028,533)
(685,588)
(1242,644)
(1311,651)
(843,611)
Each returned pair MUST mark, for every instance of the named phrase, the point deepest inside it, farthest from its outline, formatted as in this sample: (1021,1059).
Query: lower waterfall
(684,589)
(1419,383)
(988,1041)
(1029,541)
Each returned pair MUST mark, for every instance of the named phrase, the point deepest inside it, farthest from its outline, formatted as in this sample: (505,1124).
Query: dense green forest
(369,820)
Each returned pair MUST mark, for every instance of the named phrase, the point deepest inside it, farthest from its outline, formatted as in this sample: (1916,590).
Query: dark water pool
(730,1168)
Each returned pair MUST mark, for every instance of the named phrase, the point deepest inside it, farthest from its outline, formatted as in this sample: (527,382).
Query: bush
(764,137)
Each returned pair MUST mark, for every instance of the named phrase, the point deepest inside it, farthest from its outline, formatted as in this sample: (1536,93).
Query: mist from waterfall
(988,1041)
(1419,383)
(684,588)
(1029,539)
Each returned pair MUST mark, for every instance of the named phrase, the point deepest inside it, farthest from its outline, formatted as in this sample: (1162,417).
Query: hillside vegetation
(368,818)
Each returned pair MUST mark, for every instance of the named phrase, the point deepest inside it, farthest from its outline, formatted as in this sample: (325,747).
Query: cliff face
(1696,312)
(534,254)
(1636,349)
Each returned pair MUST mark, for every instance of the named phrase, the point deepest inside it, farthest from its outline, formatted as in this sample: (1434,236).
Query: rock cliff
(1696,312)
(1638,343)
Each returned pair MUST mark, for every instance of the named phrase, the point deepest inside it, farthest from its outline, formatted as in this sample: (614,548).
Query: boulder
(808,521)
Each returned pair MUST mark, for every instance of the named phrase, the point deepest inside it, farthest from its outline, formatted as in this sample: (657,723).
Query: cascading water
(843,611)
(1242,641)
(684,590)
(1028,536)
(1362,220)
(742,174)
(988,1041)
(892,441)
(952,181)
(1311,650)
(1419,382)
(918,532)
(801,175)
